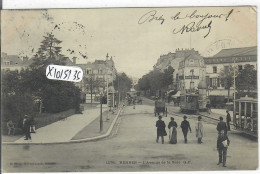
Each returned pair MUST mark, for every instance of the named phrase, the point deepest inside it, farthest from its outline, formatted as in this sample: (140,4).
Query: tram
(189,102)
(245,117)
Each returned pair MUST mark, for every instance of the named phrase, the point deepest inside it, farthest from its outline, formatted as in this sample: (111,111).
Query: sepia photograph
(129,89)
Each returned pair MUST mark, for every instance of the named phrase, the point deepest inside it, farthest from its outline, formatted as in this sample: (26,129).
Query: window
(214,69)
(215,82)
(240,67)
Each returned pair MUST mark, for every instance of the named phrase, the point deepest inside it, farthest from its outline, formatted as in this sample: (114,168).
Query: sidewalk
(63,130)
(216,113)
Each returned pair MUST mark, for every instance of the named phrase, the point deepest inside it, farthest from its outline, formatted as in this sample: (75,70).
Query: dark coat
(161,128)
(222,138)
(228,117)
(171,124)
(222,126)
(185,125)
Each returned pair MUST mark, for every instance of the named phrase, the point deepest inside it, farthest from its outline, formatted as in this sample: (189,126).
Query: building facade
(14,62)
(234,57)
(191,71)
(173,60)
(97,76)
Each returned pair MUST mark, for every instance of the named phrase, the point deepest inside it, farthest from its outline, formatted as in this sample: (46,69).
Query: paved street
(132,147)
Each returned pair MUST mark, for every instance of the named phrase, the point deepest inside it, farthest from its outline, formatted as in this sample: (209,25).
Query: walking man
(221,125)
(228,120)
(185,126)
(222,145)
(26,127)
(161,132)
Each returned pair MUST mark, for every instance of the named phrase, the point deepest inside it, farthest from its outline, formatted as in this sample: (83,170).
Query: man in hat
(228,120)
(161,132)
(221,125)
(185,126)
(26,127)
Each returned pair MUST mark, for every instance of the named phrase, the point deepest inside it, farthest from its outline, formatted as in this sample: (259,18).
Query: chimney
(74,60)
(107,56)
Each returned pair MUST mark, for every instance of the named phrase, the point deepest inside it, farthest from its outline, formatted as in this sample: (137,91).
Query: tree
(246,79)
(227,78)
(49,52)
(168,76)
(122,83)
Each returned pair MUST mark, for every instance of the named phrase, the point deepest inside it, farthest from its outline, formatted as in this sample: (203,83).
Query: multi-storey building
(235,57)
(191,72)
(173,60)
(97,75)
(14,62)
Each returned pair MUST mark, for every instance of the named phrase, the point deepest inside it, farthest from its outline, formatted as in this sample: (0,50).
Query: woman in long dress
(172,131)
(199,130)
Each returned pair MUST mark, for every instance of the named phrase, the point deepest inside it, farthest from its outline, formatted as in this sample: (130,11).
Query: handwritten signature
(151,16)
(193,25)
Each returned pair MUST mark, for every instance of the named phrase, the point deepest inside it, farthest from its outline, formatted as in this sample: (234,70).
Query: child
(222,145)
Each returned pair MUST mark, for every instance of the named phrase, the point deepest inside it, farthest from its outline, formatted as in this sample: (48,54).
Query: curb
(74,141)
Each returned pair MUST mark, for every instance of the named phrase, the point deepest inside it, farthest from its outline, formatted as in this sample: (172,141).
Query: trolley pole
(234,103)
(101,119)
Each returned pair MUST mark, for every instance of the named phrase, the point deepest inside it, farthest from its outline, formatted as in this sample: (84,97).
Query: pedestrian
(185,126)
(172,131)
(160,129)
(228,120)
(221,125)
(208,106)
(26,127)
(199,130)
(10,127)
(222,145)
(33,125)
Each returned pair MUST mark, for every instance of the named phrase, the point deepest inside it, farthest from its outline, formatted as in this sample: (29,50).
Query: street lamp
(101,119)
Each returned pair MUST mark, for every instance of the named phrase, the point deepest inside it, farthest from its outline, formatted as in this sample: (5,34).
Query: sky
(134,37)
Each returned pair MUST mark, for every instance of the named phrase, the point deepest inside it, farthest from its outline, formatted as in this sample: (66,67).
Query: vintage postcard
(129,89)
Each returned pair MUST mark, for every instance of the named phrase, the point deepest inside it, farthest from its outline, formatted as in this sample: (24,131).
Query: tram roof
(247,99)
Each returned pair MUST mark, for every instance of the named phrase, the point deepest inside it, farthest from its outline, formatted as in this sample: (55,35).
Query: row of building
(190,67)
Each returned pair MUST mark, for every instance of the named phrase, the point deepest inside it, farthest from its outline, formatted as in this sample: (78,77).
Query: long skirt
(173,135)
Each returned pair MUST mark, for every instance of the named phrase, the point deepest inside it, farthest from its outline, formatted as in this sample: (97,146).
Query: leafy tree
(48,53)
(168,76)
(227,78)
(122,83)
(246,79)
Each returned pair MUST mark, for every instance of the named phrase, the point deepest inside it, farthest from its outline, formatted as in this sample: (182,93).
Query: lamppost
(191,82)
(101,119)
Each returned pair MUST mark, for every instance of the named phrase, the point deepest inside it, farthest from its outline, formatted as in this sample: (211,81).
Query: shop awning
(176,95)
(221,93)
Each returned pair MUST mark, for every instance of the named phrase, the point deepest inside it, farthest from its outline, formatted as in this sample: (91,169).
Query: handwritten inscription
(197,22)
(151,16)
(66,73)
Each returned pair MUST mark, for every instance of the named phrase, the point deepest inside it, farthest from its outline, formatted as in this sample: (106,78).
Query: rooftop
(245,51)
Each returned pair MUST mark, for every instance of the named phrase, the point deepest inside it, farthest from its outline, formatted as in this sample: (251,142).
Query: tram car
(245,118)
(189,103)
